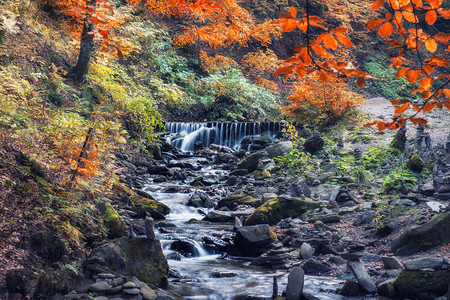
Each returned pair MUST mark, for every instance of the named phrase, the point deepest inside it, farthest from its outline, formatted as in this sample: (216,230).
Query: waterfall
(183,136)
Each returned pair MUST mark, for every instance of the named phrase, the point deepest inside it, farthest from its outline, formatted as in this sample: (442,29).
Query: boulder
(415,163)
(280,208)
(434,233)
(112,220)
(386,288)
(360,273)
(156,209)
(159,170)
(138,257)
(313,143)
(233,200)
(294,288)
(250,163)
(252,240)
(351,288)
(391,262)
(313,267)
(421,284)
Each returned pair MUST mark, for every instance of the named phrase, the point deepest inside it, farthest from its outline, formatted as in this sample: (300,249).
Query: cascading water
(183,136)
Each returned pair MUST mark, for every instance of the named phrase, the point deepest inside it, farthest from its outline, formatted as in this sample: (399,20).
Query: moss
(113,221)
(166,224)
(416,163)
(397,144)
(236,199)
(149,204)
(275,209)
(154,268)
(413,284)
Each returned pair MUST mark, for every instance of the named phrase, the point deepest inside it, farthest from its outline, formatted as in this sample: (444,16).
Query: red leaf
(293,12)
(401,72)
(385,30)
(398,102)
(401,109)
(429,106)
(412,76)
(431,17)
(360,82)
(420,121)
(376,5)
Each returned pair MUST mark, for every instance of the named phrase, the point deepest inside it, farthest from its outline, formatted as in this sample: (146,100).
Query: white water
(197,281)
(184,135)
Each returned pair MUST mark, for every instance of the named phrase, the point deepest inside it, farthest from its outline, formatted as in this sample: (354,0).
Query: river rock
(147,293)
(294,288)
(424,263)
(137,256)
(280,208)
(360,273)
(421,284)
(422,237)
(313,143)
(219,216)
(391,262)
(252,240)
(306,251)
(386,288)
(313,267)
(185,247)
(364,218)
(351,288)
(159,170)
(99,287)
(250,163)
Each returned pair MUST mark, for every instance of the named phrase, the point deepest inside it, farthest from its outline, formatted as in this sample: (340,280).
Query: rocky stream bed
(221,223)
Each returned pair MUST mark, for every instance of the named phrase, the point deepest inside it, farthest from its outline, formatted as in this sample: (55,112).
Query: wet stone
(129,285)
(391,262)
(100,286)
(134,291)
(106,276)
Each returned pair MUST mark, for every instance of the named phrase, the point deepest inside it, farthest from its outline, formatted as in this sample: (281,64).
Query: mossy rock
(236,199)
(145,260)
(416,163)
(165,224)
(261,174)
(418,238)
(422,284)
(113,221)
(397,144)
(250,163)
(149,205)
(277,209)
(154,149)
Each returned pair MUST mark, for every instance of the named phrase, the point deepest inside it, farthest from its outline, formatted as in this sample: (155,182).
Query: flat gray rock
(391,262)
(423,263)
(100,286)
(360,273)
(294,288)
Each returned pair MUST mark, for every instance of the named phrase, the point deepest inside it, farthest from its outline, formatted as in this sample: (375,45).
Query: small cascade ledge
(183,136)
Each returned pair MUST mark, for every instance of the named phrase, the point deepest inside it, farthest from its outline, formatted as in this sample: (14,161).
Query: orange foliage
(103,15)
(259,66)
(216,63)
(401,25)
(321,103)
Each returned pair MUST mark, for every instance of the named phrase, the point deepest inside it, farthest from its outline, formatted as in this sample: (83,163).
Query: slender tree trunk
(80,71)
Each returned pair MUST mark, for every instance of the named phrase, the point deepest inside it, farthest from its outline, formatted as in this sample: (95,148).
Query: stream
(205,273)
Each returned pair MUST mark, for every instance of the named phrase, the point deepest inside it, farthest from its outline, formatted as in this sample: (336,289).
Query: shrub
(321,104)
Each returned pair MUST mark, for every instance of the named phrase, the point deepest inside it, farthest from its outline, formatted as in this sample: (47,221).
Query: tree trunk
(80,71)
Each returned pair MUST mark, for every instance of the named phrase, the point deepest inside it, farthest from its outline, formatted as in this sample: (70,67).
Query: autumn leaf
(289,25)
(431,45)
(410,17)
(412,76)
(447,104)
(360,82)
(416,107)
(398,102)
(344,40)
(373,24)
(385,30)
(420,121)
(426,83)
(431,17)
(329,41)
(417,3)
(426,94)
(401,109)
(376,5)
(447,92)
(429,106)
(293,12)
(401,72)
